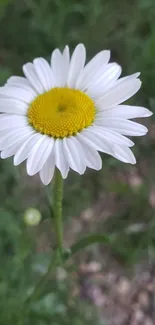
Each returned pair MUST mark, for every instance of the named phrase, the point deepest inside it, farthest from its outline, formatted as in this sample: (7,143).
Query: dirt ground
(123,295)
(121,299)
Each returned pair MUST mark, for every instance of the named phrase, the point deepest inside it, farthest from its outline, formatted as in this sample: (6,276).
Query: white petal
(66,55)
(47,172)
(44,73)
(20,83)
(60,159)
(32,77)
(125,111)
(16,81)
(124,154)
(13,106)
(59,68)
(18,93)
(92,70)
(73,155)
(9,138)
(8,152)
(39,154)
(81,153)
(111,136)
(123,126)
(131,76)
(8,121)
(119,93)
(110,74)
(95,142)
(92,157)
(24,149)
(76,65)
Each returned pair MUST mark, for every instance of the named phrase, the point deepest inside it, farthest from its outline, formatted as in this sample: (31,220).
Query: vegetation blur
(122,197)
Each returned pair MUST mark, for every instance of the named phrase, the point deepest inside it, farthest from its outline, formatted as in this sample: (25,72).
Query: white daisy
(61,114)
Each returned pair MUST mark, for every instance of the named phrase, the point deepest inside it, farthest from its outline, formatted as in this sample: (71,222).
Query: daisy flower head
(61,114)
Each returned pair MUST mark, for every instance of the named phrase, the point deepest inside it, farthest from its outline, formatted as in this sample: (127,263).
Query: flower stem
(57,209)
(58,254)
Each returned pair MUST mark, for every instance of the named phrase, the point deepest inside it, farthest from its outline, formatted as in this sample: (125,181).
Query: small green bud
(32,217)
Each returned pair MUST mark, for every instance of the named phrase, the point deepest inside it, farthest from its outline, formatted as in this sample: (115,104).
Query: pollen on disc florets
(61,112)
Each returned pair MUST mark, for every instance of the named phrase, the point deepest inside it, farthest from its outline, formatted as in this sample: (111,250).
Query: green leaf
(88,240)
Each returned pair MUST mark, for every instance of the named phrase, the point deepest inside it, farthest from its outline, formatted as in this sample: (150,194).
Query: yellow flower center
(61,112)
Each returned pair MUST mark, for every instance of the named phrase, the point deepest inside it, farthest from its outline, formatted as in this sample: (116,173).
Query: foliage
(31,28)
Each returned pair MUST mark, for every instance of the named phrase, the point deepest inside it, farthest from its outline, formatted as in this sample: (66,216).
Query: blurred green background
(119,200)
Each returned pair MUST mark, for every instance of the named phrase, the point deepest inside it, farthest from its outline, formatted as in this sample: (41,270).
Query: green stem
(75,248)
(43,281)
(58,254)
(57,208)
